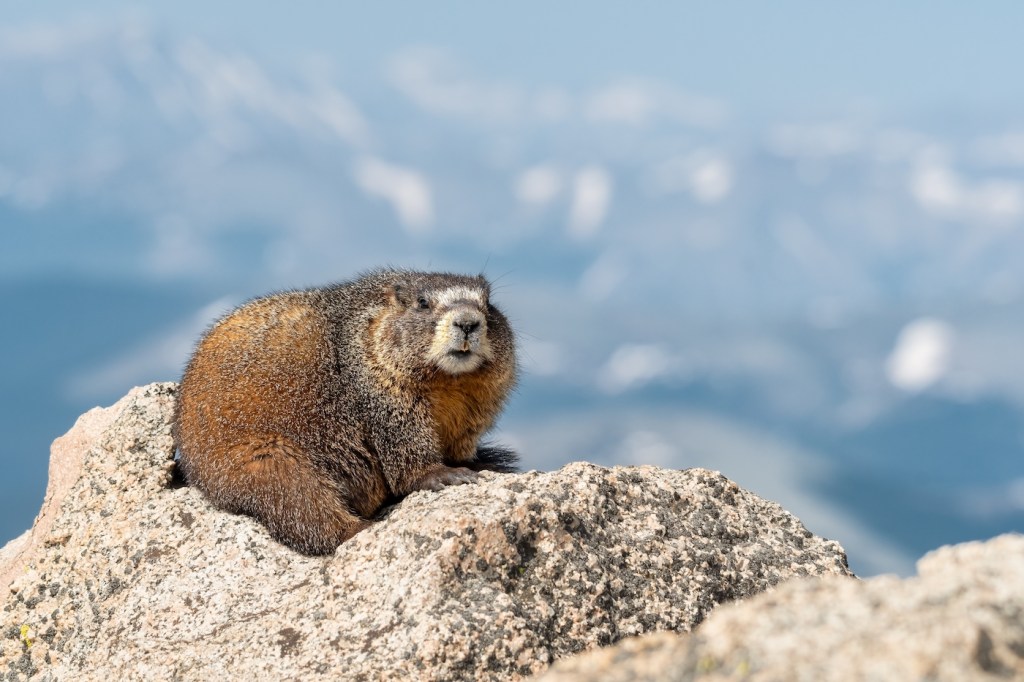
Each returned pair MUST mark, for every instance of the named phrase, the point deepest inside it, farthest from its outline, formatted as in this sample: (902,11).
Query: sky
(762,58)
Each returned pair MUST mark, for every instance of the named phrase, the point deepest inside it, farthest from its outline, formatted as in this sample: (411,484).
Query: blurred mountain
(827,310)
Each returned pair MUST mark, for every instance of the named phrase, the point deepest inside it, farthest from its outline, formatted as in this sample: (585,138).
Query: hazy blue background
(779,240)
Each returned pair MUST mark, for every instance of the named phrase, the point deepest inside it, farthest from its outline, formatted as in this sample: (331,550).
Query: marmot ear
(485,286)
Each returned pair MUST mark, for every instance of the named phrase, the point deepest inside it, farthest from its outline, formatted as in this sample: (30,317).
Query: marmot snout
(460,337)
(311,409)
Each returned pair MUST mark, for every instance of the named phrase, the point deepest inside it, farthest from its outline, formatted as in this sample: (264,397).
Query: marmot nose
(467,326)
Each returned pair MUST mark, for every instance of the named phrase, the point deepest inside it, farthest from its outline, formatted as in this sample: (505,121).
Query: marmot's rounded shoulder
(286,327)
(270,310)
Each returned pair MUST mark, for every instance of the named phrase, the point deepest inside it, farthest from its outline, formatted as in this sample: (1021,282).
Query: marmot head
(442,321)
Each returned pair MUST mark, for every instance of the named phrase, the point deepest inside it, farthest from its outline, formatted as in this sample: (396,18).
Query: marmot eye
(422,303)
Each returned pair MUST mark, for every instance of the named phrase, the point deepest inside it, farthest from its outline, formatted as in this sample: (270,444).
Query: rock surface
(960,618)
(128,575)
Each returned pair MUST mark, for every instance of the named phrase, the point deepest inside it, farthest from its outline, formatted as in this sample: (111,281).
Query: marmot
(311,409)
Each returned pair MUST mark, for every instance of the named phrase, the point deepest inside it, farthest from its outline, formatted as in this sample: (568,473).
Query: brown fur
(459,408)
(309,410)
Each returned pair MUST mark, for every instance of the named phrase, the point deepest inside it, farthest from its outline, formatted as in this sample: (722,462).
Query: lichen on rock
(127,574)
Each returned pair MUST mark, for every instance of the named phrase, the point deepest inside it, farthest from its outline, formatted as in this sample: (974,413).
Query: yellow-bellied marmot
(309,410)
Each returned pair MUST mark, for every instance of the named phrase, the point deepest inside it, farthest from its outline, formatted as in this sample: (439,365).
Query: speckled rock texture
(129,575)
(961,618)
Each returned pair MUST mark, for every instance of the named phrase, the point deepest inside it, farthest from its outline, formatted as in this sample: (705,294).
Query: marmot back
(309,410)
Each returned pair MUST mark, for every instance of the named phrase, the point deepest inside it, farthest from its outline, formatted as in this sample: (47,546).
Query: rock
(960,618)
(127,574)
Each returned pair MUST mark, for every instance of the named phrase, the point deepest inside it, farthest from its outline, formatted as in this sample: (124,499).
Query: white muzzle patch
(460,338)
